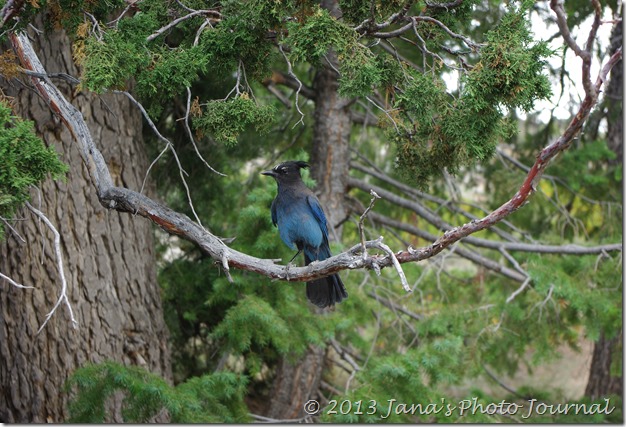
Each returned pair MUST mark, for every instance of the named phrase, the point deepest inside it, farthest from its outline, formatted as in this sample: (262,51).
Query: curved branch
(552,178)
(59,258)
(412,22)
(284,79)
(370,25)
(529,185)
(569,249)
(125,200)
(215,17)
(14,283)
(452,207)
(584,54)
(467,41)
(463,252)
(67,113)
(394,33)
(297,80)
(446,6)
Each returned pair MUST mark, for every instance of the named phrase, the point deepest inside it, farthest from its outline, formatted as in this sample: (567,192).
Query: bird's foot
(287,267)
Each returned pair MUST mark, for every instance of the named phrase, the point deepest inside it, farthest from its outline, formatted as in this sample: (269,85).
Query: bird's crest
(291,165)
(301,164)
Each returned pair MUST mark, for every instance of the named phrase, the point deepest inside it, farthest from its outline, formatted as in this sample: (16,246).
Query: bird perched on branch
(301,223)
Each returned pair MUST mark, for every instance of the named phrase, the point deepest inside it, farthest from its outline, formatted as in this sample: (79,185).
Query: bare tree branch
(57,248)
(394,33)
(125,200)
(394,307)
(13,230)
(446,6)
(190,135)
(169,145)
(394,261)
(411,24)
(473,46)
(569,249)
(284,79)
(213,14)
(362,218)
(297,80)
(561,21)
(584,54)
(370,25)
(62,76)
(518,290)
(452,207)
(14,283)
(131,4)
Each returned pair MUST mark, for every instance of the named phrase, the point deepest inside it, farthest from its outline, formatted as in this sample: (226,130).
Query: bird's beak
(269,173)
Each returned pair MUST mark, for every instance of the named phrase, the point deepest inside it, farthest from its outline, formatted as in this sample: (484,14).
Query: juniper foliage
(26,162)
(214,398)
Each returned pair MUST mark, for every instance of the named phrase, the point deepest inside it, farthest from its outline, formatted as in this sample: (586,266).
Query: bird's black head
(287,171)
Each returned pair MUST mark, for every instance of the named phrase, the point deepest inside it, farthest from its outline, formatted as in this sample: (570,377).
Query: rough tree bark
(295,384)
(109,260)
(601,383)
(330,155)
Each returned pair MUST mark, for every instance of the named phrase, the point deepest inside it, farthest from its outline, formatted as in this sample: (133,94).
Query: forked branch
(59,258)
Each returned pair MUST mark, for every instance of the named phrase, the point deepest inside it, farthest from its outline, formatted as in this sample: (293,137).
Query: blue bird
(301,223)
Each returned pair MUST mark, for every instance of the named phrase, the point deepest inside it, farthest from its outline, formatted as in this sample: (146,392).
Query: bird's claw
(287,267)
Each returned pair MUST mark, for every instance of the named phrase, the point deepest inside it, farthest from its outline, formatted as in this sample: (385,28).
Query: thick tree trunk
(109,261)
(330,156)
(601,383)
(295,384)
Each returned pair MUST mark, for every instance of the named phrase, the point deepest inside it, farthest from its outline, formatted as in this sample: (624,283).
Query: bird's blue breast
(296,224)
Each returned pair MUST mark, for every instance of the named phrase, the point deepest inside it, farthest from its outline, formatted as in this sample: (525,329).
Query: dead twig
(362,219)
(57,248)
(14,283)
(215,16)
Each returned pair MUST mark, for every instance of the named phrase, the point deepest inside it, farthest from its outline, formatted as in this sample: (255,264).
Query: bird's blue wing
(318,213)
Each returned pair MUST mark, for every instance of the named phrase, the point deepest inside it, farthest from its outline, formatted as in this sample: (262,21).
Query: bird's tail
(327,291)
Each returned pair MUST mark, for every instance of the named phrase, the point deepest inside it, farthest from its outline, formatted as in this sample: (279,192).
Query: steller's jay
(302,225)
